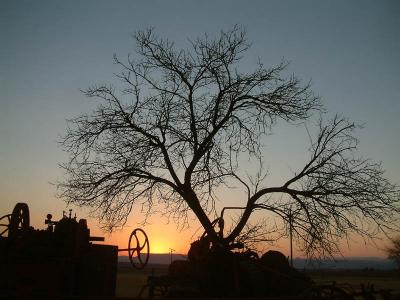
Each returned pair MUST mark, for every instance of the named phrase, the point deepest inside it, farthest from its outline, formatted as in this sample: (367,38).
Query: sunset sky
(49,50)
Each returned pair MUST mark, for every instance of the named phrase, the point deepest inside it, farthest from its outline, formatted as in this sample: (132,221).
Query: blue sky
(49,50)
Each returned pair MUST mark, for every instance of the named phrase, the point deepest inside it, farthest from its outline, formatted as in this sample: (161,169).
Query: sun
(164,243)
(158,247)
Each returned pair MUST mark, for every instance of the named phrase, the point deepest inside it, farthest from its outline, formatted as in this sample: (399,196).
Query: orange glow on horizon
(163,237)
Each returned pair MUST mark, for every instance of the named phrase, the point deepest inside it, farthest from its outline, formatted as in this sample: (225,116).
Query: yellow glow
(158,248)
(164,237)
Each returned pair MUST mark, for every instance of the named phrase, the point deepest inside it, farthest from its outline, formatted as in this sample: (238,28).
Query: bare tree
(174,133)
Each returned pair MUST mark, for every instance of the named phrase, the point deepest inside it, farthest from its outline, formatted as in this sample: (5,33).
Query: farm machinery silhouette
(60,260)
(228,270)
(233,271)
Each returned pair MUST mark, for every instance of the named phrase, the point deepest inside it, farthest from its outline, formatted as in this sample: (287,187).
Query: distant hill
(158,258)
(350,263)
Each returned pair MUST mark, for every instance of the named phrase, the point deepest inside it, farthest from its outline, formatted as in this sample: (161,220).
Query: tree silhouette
(175,133)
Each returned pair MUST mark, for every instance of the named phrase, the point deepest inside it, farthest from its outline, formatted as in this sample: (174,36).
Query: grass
(355,279)
(130,281)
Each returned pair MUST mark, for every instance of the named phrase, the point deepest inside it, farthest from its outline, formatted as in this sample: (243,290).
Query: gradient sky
(51,49)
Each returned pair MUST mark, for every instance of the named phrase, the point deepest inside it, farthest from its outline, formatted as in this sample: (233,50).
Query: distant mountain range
(349,263)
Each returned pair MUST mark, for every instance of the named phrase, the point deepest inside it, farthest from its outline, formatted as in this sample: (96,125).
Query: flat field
(355,279)
(130,281)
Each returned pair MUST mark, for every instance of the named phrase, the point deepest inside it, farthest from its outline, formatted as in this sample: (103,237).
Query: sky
(49,50)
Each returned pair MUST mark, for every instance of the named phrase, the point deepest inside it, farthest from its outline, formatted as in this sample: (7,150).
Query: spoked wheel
(4,224)
(138,248)
(16,221)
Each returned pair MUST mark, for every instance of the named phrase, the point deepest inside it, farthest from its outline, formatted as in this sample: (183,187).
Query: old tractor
(60,260)
(228,270)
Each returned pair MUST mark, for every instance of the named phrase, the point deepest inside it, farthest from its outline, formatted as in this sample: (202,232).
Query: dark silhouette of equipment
(17,220)
(231,270)
(228,270)
(234,271)
(60,260)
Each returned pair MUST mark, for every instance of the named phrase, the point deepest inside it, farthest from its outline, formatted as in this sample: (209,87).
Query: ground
(130,281)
